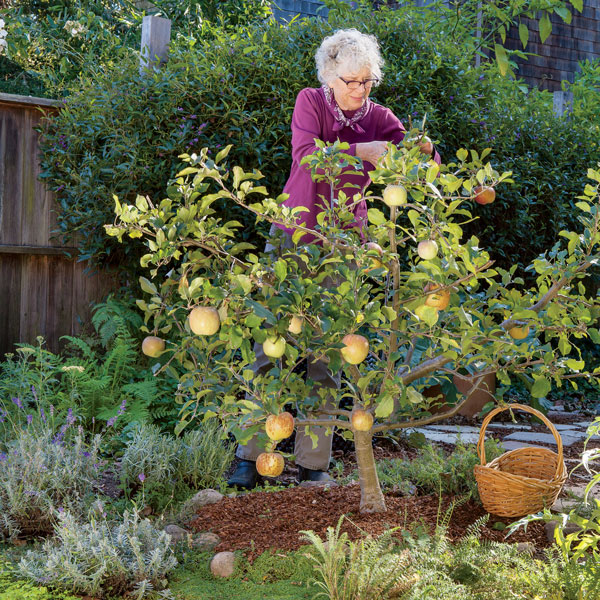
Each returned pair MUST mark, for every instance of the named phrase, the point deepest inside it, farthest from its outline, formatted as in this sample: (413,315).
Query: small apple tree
(392,327)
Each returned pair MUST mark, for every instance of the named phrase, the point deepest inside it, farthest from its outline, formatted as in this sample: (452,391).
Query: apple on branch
(270,464)
(394,195)
(204,320)
(361,420)
(295,326)
(427,249)
(356,348)
(484,194)
(153,346)
(279,427)
(375,262)
(274,347)
(437,299)
(519,333)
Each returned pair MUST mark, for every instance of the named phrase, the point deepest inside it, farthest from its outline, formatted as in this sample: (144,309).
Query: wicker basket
(522,481)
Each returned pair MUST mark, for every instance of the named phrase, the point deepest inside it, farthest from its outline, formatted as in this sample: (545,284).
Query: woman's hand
(371,151)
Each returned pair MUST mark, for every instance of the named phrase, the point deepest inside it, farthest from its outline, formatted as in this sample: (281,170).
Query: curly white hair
(348,51)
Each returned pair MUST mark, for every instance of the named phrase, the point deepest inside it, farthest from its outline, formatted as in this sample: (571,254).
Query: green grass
(271,577)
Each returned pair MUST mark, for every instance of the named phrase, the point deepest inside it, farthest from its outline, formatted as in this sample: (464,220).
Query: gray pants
(317,458)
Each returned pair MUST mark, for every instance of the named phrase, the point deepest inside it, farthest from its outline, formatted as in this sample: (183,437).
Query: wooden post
(563,102)
(156,33)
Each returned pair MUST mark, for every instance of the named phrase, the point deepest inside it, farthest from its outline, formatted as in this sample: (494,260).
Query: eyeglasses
(354,85)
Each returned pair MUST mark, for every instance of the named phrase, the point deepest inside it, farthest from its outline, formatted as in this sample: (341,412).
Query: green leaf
(280,268)
(148,286)
(385,407)
(575,365)
(223,153)
(564,13)
(578,4)
(501,58)
(541,387)
(375,216)
(545,27)
(523,34)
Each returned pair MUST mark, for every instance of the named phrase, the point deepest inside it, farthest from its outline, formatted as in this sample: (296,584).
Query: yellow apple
(279,427)
(427,249)
(519,333)
(270,464)
(394,195)
(274,347)
(361,420)
(204,320)
(375,262)
(295,325)
(153,346)
(356,348)
(484,195)
(439,300)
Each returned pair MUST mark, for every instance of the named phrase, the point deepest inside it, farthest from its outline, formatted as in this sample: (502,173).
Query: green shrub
(224,87)
(433,472)
(103,559)
(14,588)
(42,472)
(161,468)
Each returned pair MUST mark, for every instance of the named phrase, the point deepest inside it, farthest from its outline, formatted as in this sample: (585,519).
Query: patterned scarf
(341,119)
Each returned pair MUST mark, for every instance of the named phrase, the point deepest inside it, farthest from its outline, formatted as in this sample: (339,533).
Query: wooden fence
(42,291)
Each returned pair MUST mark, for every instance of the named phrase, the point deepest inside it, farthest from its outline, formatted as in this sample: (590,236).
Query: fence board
(42,291)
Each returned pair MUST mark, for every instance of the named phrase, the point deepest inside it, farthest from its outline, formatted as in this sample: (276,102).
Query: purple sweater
(313,118)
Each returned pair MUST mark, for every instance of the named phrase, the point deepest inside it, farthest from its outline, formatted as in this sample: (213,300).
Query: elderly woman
(348,66)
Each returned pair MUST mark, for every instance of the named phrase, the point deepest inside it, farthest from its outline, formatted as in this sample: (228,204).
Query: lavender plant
(44,472)
(103,559)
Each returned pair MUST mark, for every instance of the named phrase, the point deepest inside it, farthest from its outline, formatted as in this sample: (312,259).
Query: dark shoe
(245,475)
(305,474)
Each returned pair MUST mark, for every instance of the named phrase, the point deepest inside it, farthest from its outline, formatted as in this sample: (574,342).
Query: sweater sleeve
(305,125)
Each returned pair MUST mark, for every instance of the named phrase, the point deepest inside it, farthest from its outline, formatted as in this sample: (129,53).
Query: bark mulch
(261,521)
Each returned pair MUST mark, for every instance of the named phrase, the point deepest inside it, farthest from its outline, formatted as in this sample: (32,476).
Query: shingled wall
(567,45)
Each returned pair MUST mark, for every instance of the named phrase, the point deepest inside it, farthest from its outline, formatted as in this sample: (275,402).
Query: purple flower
(33,386)
(51,410)
(122,407)
(29,419)
(70,417)
(142,477)
(18,402)
(3,457)
(43,415)
(481,77)
(87,454)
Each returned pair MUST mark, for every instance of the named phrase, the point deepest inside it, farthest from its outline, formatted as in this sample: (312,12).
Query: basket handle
(533,411)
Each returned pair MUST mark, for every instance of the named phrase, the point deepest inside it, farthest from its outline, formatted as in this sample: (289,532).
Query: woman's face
(346,98)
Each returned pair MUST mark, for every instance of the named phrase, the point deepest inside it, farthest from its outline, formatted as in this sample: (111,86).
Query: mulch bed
(261,521)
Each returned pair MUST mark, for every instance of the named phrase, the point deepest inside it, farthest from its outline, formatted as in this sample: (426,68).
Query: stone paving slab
(448,437)
(513,445)
(453,428)
(568,439)
(508,426)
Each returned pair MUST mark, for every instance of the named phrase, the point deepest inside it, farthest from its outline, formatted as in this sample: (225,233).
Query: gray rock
(448,437)
(223,564)
(178,534)
(206,541)
(526,548)
(545,438)
(203,498)
(567,529)
(319,484)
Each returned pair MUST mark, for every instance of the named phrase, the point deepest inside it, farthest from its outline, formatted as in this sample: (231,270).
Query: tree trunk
(371,496)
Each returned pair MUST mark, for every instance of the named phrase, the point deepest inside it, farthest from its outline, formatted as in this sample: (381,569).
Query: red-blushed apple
(394,195)
(204,320)
(438,299)
(153,346)
(484,194)
(427,249)
(270,464)
(274,347)
(295,325)
(361,420)
(279,427)
(375,262)
(425,145)
(519,333)
(356,348)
